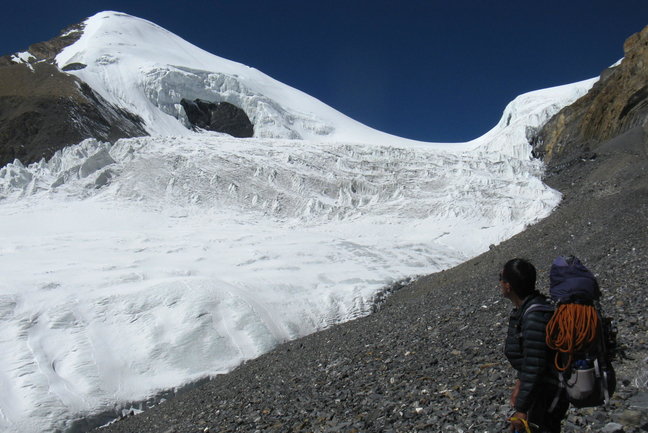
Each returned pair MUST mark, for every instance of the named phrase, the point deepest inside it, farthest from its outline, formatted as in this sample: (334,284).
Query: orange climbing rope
(571,329)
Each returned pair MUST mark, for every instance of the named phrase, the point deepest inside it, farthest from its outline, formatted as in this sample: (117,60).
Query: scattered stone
(631,418)
(612,428)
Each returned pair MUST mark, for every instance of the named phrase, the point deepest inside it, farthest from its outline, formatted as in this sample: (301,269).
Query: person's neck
(517,301)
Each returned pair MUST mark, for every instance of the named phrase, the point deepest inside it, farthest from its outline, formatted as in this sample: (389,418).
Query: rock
(612,427)
(219,117)
(43,109)
(631,418)
(74,67)
(48,50)
(640,400)
(615,104)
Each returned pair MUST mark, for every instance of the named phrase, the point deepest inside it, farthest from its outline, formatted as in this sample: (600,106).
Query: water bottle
(582,364)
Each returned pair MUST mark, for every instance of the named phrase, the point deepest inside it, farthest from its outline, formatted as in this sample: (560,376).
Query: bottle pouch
(580,383)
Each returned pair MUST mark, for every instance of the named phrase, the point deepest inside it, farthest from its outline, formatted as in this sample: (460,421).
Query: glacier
(147,264)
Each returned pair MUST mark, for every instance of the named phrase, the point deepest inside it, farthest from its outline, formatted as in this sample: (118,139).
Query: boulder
(612,427)
(73,67)
(219,117)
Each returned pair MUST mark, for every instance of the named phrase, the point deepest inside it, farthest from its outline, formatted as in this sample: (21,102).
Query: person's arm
(515,392)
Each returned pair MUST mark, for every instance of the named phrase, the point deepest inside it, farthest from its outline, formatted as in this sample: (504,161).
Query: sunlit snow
(144,265)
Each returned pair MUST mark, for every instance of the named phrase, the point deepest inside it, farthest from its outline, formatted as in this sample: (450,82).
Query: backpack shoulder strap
(538,307)
(531,308)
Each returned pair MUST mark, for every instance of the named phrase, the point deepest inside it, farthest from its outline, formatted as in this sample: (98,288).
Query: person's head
(520,276)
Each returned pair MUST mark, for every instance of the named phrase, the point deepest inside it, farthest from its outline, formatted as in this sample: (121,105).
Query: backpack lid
(571,281)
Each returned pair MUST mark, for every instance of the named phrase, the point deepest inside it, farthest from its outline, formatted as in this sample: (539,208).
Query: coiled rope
(571,329)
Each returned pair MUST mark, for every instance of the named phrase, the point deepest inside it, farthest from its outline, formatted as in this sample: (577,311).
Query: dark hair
(521,275)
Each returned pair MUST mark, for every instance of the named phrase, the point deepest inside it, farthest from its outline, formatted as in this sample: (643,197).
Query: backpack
(582,338)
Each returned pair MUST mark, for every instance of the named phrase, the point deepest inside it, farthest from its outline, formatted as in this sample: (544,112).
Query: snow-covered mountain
(139,66)
(139,266)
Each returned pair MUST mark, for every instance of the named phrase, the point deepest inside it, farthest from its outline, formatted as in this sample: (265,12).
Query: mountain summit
(115,76)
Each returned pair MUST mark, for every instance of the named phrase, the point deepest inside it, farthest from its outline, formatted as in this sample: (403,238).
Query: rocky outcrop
(218,117)
(617,103)
(43,109)
(47,51)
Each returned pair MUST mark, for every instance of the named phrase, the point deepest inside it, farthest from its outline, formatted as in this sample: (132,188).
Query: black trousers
(548,421)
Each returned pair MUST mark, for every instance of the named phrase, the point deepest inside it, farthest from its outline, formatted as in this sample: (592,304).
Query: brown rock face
(49,49)
(617,103)
(43,109)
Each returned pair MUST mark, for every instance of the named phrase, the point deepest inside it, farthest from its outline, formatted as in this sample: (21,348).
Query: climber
(536,396)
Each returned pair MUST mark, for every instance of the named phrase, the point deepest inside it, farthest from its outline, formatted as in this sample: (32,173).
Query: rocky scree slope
(43,109)
(431,357)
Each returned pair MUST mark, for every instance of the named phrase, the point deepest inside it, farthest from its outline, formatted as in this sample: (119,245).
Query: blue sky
(427,70)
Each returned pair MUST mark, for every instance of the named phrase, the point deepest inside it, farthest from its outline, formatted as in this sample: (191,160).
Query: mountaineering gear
(572,328)
(527,424)
(572,282)
(583,339)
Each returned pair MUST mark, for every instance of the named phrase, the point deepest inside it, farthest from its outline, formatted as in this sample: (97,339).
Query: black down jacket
(527,350)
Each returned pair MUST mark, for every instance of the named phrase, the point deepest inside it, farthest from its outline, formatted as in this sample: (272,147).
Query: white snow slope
(144,265)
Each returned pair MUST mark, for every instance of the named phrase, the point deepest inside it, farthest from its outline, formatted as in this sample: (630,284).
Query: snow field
(200,252)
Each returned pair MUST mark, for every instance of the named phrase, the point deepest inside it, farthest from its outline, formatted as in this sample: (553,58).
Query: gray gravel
(430,359)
